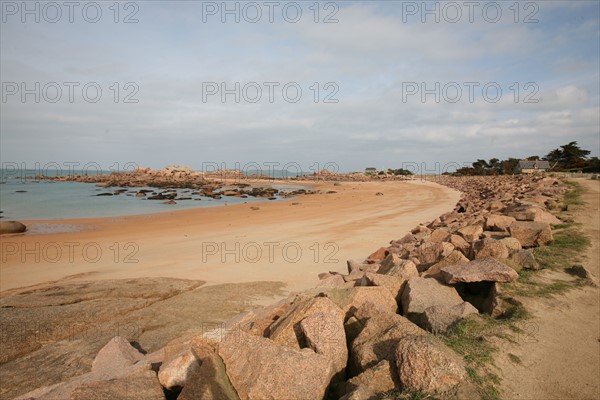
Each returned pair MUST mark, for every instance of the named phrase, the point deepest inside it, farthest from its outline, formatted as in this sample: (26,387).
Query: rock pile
(359,334)
(167,180)
(326,175)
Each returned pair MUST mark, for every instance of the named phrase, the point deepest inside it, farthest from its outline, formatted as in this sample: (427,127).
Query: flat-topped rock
(352,298)
(497,222)
(487,269)
(395,266)
(141,386)
(531,213)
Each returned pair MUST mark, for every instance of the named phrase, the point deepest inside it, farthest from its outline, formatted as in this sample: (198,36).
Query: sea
(28,199)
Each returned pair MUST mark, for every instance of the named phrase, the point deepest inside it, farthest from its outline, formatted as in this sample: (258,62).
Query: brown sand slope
(295,242)
(560,345)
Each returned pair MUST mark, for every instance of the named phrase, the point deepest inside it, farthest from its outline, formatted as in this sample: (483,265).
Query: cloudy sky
(354,84)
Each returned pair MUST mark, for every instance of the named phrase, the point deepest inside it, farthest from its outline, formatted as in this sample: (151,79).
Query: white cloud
(370,53)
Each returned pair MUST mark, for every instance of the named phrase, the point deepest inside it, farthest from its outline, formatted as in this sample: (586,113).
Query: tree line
(567,158)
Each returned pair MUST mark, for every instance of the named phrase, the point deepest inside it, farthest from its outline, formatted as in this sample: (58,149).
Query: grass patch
(404,395)
(564,225)
(527,285)
(467,338)
(525,276)
(573,195)
(471,338)
(515,312)
(566,249)
(514,358)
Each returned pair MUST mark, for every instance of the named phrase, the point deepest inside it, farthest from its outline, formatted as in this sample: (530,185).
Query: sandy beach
(289,241)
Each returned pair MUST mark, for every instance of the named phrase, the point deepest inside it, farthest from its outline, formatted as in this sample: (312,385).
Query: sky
(303,85)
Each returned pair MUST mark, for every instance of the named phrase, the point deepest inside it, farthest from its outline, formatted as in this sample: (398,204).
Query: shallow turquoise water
(66,200)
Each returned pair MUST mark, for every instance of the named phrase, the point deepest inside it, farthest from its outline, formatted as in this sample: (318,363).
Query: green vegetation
(564,250)
(514,358)
(569,157)
(399,171)
(573,195)
(472,339)
(404,395)
(568,245)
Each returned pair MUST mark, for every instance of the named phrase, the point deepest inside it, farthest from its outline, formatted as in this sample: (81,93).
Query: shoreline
(124,201)
(327,229)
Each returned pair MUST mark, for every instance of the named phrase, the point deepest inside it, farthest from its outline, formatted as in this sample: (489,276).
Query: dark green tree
(569,156)
(494,166)
(593,165)
(509,166)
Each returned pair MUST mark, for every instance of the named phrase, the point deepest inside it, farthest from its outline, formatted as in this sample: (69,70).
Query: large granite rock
(118,353)
(392,283)
(210,381)
(350,299)
(497,222)
(381,378)
(487,269)
(456,257)
(8,227)
(461,244)
(531,234)
(426,365)
(422,293)
(287,331)
(332,281)
(103,379)
(511,243)
(471,233)
(361,392)
(141,386)
(261,369)
(439,235)
(324,333)
(379,254)
(440,319)
(395,266)
(489,248)
(432,252)
(524,258)
(175,371)
(531,213)
(375,337)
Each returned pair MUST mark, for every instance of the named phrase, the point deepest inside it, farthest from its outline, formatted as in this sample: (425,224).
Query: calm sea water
(25,199)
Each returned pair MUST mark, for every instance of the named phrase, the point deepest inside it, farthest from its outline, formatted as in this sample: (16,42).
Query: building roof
(536,164)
